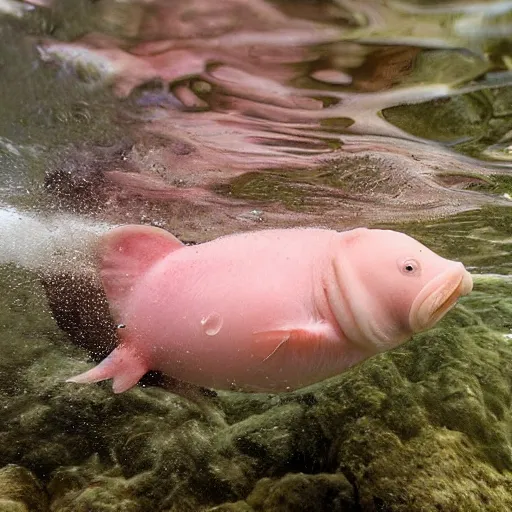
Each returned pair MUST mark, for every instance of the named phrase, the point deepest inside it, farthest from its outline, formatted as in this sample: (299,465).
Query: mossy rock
(426,425)
(91,487)
(478,238)
(444,120)
(20,491)
(477,123)
(307,493)
(436,471)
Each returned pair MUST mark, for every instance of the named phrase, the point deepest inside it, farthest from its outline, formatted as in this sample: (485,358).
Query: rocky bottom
(425,427)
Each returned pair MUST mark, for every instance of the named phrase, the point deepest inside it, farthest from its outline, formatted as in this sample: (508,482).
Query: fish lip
(438,297)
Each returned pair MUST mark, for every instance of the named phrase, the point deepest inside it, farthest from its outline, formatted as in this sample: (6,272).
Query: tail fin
(124,254)
(123,365)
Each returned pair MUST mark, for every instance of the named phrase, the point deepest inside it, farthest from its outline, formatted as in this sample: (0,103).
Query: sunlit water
(207,118)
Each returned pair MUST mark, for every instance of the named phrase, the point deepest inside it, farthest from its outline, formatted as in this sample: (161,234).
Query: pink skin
(266,311)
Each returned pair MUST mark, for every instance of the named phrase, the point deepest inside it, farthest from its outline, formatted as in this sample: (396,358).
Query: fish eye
(409,267)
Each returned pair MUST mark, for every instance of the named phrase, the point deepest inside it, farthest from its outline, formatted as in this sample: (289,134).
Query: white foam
(39,242)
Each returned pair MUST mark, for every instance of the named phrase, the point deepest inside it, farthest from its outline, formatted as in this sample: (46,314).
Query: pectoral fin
(303,343)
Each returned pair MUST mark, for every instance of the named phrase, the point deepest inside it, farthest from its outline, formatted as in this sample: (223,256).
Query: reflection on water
(208,118)
(211,96)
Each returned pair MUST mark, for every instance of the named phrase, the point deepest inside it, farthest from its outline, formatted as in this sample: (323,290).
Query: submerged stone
(91,487)
(20,491)
(475,123)
(307,493)
(427,425)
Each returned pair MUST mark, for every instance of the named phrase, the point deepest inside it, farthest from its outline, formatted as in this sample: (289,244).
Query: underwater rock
(476,123)
(20,491)
(91,488)
(426,426)
(437,471)
(297,491)
(307,493)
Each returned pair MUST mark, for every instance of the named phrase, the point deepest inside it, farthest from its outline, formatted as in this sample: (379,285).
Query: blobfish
(267,311)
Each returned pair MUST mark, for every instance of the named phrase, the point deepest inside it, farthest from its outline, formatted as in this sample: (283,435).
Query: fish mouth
(439,296)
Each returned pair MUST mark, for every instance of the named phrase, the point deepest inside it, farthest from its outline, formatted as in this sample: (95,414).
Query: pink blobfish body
(272,310)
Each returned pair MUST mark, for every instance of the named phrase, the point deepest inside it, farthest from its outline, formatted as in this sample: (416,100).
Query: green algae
(445,120)
(494,184)
(356,176)
(449,67)
(323,491)
(20,491)
(497,184)
(305,190)
(421,427)
(481,239)
(269,187)
(472,123)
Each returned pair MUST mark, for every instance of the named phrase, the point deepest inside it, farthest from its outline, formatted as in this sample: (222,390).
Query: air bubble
(212,324)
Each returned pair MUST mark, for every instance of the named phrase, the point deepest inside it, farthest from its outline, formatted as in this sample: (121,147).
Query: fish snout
(466,285)
(439,296)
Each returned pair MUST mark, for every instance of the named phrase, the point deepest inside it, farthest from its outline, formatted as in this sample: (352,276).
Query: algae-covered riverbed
(424,426)
(207,119)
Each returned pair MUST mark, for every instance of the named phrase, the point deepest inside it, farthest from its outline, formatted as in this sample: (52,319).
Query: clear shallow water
(208,119)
